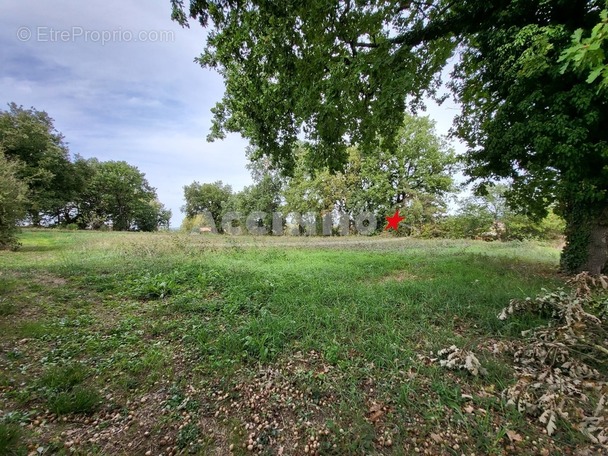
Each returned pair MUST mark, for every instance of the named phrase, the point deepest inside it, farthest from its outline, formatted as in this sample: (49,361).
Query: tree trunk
(586,246)
(597,253)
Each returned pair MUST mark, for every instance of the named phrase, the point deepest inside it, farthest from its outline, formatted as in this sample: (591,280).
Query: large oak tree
(345,71)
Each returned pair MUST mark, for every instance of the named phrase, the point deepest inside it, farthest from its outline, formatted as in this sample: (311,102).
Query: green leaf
(594,74)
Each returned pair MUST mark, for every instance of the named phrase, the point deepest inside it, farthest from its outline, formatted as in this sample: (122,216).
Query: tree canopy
(342,72)
(29,137)
(415,177)
(588,53)
(119,194)
(206,197)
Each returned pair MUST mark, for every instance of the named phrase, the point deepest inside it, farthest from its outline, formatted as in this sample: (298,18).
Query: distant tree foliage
(415,177)
(62,191)
(13,201)
(29,137)
(118,194)
(264,195)
(478,216)
(210,197)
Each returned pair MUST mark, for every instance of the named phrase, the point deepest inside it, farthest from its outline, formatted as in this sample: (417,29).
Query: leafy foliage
(327,70)
(13,200)
(589,53)
(264,195)
(118,193)
(525,121)
(62,191)
(29,137)
(206,197)
(416,177)
(489,216)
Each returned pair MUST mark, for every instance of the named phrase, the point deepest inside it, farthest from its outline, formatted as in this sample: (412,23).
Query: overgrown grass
(125,316)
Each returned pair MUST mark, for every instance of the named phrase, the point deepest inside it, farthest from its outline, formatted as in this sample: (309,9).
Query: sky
(120,81)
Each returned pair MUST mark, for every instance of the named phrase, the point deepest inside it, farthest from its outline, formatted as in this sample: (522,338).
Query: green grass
(76,400)
(136,317)
(63,378)
(9,439)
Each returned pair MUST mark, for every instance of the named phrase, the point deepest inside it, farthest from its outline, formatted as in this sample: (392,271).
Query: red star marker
(393,222)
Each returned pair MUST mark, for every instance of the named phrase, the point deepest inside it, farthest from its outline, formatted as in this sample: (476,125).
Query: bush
(472,225)
(466,226)
(520,227)
(193,224)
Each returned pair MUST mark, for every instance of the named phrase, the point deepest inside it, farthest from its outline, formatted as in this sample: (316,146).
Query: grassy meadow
(130,343)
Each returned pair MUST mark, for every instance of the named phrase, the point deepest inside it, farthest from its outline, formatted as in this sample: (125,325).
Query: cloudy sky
(120,81)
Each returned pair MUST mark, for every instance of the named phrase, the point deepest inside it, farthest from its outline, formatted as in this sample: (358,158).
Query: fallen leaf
(436,437)
(375,413)
(514,436)
(548,418)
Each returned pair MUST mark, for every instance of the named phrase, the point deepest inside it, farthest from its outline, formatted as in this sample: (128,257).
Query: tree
(29,136)
(544,131)
(263,196)
(415,176)
(13,200)
(332,70)
(343,72)
(206,197)
(151,216)
(313,190)
(119,194)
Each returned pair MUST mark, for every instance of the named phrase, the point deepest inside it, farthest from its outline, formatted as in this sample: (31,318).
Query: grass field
(128,343)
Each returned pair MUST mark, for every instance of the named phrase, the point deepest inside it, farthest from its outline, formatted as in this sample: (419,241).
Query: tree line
(42,184)
(417,178)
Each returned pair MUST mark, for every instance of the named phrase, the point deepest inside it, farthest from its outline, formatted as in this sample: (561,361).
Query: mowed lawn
(129,343)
